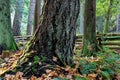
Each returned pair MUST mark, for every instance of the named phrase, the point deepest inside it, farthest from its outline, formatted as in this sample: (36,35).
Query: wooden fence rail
(111,41)
(22,38)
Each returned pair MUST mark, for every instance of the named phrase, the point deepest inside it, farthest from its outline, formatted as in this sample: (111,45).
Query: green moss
(6,37)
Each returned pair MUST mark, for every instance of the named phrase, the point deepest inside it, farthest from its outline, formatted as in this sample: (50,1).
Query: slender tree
(6,38)
(31,17)
(55,35)
(89,41)
(107,17)
(99,24)
(37,14)
(118,23)
(18,18)
(82,7)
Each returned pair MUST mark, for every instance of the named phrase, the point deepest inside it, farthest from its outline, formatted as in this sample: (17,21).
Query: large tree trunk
(31,17)
(38,11)
(6,38)
(56,32)
(89,41)
(18,18)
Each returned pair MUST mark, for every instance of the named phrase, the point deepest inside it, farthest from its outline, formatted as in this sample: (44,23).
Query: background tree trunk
(31,17)
(99,24)
(38,10)
(56,32)
(118,23)
(6,38)
(89,41)
(107,17)
(18,18)
(82,7)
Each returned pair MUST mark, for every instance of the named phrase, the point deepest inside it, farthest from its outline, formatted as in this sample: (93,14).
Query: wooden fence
(22,38)
(111,41)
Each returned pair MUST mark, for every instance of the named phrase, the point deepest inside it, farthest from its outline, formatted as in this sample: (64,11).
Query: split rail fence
(111,41)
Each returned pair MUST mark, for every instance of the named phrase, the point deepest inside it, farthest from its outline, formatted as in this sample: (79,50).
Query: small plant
(36,60)
(34,69)
(87,67)
(80,78)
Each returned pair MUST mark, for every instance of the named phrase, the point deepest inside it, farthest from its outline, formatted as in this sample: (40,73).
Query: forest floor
(106,66)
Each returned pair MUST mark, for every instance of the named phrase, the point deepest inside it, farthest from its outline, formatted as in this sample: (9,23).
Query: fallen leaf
(33,78)
(117,77)
(48,71)
(67,68)
(53,74)
(18,75)
(92,76)
(43,76)
(54,58)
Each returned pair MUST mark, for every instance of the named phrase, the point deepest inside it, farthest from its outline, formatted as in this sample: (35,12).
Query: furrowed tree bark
(89,38)
(56,32)
(6,37)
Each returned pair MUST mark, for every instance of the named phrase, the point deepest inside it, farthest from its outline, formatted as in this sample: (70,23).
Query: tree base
(35,65)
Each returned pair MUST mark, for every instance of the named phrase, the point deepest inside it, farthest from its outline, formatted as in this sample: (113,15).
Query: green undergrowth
(105,65)
(75,78)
